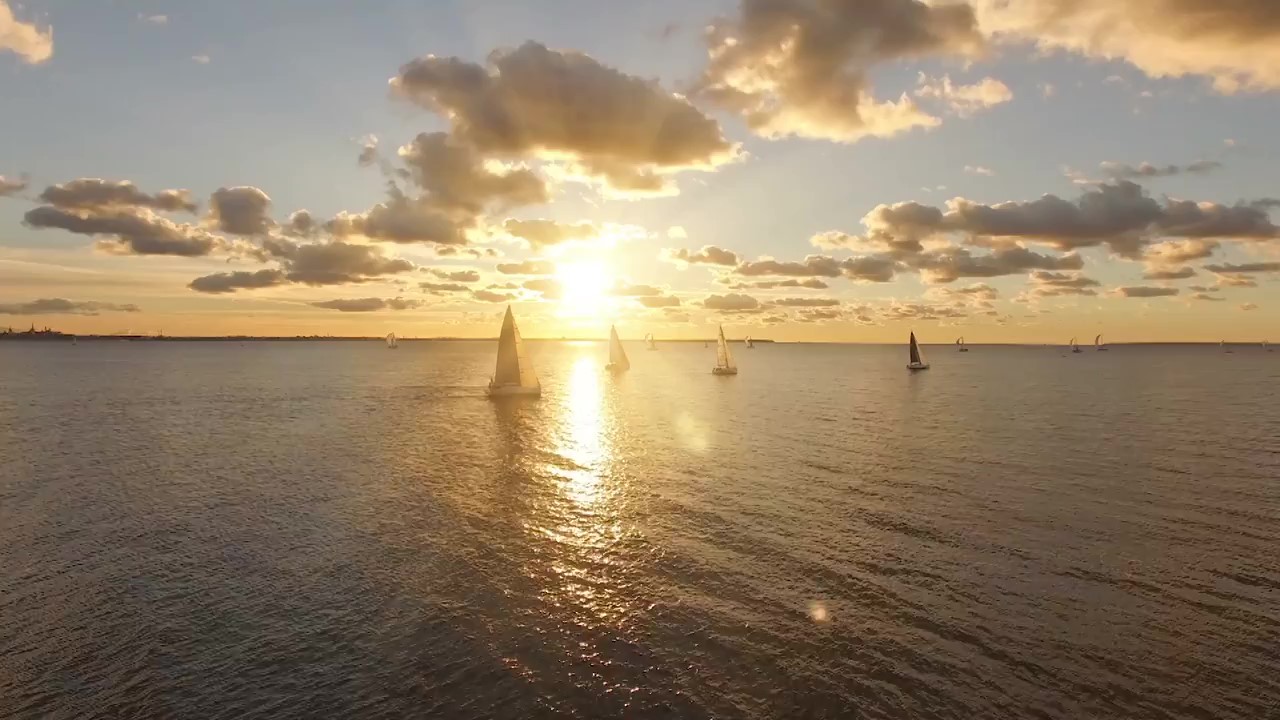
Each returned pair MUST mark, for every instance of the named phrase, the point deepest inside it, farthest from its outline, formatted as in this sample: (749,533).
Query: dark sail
(915,350)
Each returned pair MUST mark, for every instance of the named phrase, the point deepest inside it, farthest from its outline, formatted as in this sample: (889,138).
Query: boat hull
(917,366)
(724,371)
(498,391)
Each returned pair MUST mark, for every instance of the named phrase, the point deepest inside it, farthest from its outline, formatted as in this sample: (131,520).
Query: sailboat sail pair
(392,341)
(960,344)
(915,358)
(514,373)
(724,359)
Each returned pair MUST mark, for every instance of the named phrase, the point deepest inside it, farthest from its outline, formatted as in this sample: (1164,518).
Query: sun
(584,288)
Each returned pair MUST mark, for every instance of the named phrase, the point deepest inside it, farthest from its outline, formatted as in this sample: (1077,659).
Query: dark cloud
(533,101)
(227,282)
(335,262)
(1051,284)
(61,306)
(301,224)
(402,219)
(455,176)
(1207,297)
(434,287)
(461,276)
(708,255)
(370,304)
(549,287)
(921,311)
(544,233)
(1180,273)
(528,267)
(1233,42)
(1185,218)
(11,186)
(1243,268)
(950,264)
(1123,171)
(1145,292)
(492,297)
(802,67)
(137,231)
(659,301)
(97,194)
(811,283)
(806,302)
(730,302)
(811,266)
(240,211)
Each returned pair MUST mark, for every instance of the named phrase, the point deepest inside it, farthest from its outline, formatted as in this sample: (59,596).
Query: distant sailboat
(1266,346)
(514,373)
(704,344)
(1075,346)
(915,358)
(76,341)
(724,358)
(649,343)
(960,344)
(617,355)
(392,341)
(1097,344)
(750,345)
(1223,344)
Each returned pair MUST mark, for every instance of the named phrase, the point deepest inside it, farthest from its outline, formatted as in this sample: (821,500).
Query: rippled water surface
(217,530)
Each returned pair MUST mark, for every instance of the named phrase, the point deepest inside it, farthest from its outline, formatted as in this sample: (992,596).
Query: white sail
(392,341)
(1097,341)
(617,355)
(513,373)
(724,358)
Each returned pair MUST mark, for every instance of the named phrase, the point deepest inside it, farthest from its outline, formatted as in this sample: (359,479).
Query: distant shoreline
(48,338)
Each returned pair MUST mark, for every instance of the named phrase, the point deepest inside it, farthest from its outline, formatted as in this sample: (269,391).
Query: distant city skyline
(807,170)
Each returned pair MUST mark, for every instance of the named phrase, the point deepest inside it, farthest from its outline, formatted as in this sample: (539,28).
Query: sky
(800,170)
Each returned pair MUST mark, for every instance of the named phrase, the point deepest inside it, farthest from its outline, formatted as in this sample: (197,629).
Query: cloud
(492,297)
(29,42)
(811,283)
(436,288)
(1236,281)
(137,231)
(240,211)
(675,232)
(1235,43)
(99,194)
(1123,171)
(964,100)
(921,311)
(61,306)
(949,264)
(659,301)
(806,302)
(811,266)
(528,267)
(1053,284)
(11,186)
(979,170)
(537,102)
(1243,268)
(456,177)
(1176,252)
(1248,306)
(201,59)
(402,219)
(301,224)
(1207,297)
(550,288)
(802,67)
(1144,292)
(461,276)
(544,233)
(370,304)
(227,282)
(335,262)
(1180,273)
(708,255)
(153,19)
(623,290)
(732,302)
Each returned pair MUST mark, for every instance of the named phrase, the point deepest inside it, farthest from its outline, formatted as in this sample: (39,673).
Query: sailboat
(514,373)
(1266,346)
(392,341)
(1097,344)
(724,358)
(750,345)
(704,344)
(617,356)
(960,344)
(1075,346)
(649,343)
(1223,344)
(916,359)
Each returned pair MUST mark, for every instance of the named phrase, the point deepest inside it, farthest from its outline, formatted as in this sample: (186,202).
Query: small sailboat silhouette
(649,343)
(1097,344)
(1266,346)
(1223,345)
(617,355)
(750,345)
(915,359)
(1075,346)
(724,358)
(960,344)
(514,373)
(392,341)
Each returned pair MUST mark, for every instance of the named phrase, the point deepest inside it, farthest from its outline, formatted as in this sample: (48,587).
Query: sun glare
(584,288)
